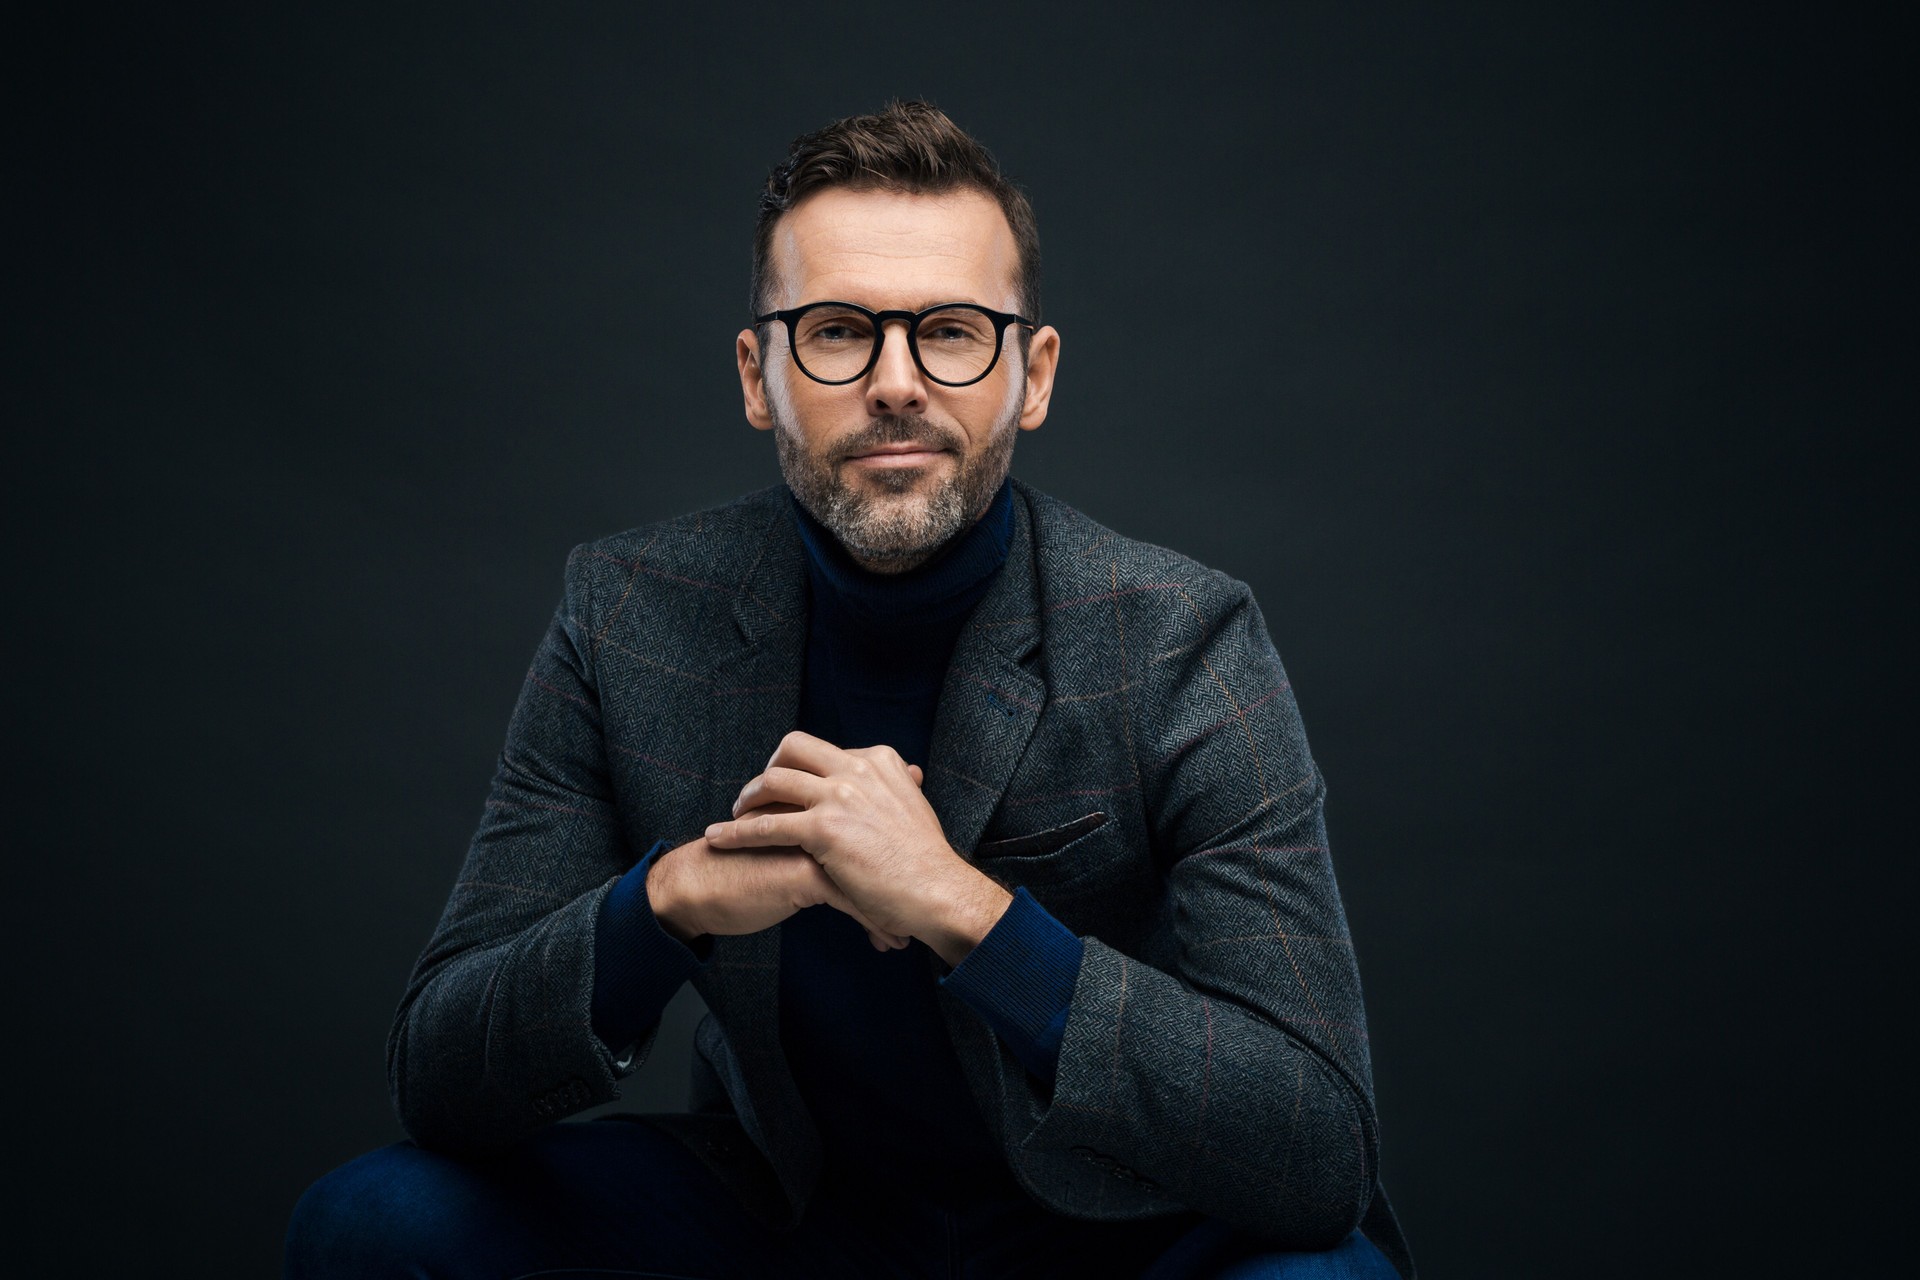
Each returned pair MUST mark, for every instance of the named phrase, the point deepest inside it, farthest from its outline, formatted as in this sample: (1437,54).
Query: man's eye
(952,333)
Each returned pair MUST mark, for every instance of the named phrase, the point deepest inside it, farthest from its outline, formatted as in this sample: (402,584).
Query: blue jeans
(620,1198)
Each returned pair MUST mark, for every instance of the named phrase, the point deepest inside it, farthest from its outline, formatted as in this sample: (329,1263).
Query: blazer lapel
(990,702)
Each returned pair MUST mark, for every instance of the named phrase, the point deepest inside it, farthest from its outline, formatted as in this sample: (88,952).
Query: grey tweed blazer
(1116,733)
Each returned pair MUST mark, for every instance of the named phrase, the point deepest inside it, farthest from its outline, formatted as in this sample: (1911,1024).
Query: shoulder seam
(579,578)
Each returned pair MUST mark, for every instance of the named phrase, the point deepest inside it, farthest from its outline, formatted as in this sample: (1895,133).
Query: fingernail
(715,829)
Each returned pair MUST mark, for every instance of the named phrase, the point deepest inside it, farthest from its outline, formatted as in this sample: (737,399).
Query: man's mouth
(897,455)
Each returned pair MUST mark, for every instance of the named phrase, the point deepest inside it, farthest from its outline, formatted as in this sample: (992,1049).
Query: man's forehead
(891,248)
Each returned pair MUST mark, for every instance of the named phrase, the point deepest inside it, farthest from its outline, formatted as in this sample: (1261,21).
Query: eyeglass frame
(1001,319)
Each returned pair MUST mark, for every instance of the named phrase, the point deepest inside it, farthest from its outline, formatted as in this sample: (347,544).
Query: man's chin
(891,480)
(904,501)
(892,534)
(907,494)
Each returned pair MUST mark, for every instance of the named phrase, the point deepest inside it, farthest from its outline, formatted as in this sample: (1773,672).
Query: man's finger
(751,813)
(761,829)
(780,786)
(809,754)
(918,775)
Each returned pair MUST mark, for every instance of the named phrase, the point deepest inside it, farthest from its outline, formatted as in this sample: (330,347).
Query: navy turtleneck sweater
(861,1029)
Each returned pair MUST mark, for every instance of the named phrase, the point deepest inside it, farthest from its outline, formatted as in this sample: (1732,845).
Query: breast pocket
(1057,862)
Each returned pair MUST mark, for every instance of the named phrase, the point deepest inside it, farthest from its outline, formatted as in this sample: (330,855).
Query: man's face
(894,463)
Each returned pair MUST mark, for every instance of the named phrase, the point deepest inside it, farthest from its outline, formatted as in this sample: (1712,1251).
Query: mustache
(896,429)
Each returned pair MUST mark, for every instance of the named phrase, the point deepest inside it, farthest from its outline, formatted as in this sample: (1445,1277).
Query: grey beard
(891,540)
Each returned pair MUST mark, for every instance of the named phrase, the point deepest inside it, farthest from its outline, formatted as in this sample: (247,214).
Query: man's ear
(753,379)
(1043,360)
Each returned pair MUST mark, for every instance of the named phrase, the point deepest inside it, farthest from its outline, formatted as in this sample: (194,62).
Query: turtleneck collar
(948,584)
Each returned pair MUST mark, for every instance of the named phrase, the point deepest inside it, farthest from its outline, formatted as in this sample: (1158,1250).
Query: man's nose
(896,384)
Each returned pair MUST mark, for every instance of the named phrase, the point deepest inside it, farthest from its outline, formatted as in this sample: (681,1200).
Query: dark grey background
(1535,368)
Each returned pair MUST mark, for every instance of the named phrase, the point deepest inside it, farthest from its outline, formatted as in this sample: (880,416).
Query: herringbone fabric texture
(1116,733)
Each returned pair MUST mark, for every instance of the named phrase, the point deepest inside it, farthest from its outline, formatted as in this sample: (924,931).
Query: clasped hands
(825,824)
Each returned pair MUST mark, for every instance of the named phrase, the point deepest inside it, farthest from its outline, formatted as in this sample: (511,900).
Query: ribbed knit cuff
(1020,979)
(637,965)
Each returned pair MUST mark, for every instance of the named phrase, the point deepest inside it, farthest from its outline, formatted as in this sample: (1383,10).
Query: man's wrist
(668,909)
(967,914)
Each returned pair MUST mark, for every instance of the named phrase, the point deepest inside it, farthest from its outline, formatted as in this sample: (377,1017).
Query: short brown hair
(905,146)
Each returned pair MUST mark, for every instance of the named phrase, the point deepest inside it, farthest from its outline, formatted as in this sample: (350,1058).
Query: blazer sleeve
(1231,1076)
(494,1035)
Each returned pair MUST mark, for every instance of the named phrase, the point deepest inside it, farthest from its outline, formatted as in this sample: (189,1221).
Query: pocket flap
(1042,842)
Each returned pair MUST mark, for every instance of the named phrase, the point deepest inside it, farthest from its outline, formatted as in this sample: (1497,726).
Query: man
(989,836)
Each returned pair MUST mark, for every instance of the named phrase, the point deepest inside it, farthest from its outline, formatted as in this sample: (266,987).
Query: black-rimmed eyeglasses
(955,343)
